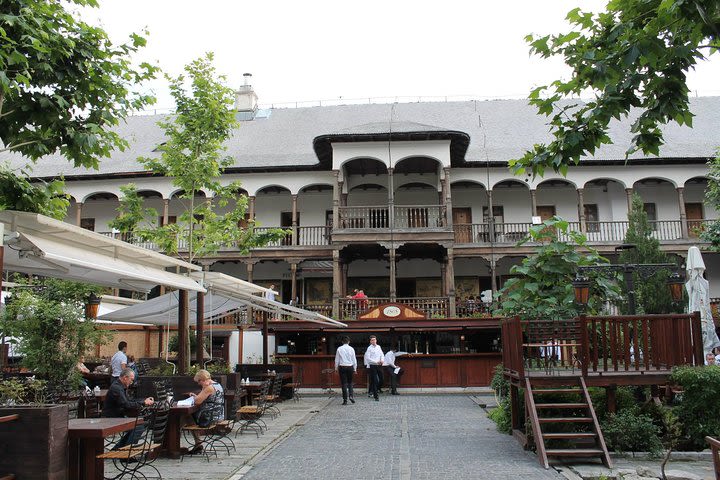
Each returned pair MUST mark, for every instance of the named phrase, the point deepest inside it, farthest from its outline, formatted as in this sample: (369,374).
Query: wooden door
(462,224)
(694,213)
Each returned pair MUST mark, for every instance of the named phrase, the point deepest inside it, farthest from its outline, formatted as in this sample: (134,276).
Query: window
(591,217)
(87,224)
(651,212)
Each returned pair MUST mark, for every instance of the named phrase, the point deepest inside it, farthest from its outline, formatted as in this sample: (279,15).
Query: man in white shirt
(118,363)
(346,366)
(270,292)
(390,366)
(373,361)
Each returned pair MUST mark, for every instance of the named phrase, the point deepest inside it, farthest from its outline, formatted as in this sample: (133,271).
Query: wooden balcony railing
(405,216)
(433,307)
(603,344)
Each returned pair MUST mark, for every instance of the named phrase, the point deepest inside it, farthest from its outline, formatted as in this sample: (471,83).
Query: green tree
(192,157)
(711,232)
(651,293)
(63,88)
(636,54)
(47,316)
(542,287)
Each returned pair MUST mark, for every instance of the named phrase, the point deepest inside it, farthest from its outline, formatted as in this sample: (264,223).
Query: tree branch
(22,144)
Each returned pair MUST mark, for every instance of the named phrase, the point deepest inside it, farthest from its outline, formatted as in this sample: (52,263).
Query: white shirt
(270,295)
(390,359)
(373,355)
(116,363)
(345,357)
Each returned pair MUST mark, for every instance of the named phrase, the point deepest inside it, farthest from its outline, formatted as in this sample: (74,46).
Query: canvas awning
(226,294)
(40,245)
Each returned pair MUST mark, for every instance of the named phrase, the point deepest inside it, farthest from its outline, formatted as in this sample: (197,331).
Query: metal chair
(329,375)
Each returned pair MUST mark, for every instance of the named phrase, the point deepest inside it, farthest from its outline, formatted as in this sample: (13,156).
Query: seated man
(117,405)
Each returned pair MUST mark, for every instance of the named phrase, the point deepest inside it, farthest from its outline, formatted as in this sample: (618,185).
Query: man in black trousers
(346,366)
(117,405)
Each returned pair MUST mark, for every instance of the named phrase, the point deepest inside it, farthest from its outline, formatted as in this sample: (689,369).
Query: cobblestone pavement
(401,437)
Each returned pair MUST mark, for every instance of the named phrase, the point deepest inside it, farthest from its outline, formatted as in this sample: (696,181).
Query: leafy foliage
(636,54)
(501,416)
(629,430)
(63,84)
(49,322)
(499,383)
(203,121)
(698,410)
(542,288)
(17,193)
(651,294)
(711,233)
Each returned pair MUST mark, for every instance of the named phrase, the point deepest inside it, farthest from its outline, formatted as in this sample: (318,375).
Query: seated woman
(80,366)
(211,400)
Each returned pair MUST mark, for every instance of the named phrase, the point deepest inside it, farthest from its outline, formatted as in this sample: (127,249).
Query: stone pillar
(450,275)
(533,202)
(294,219)
(581,210)
(78,213)
(393,281)
(448,199)
(337,284)
(629,194)
(683,214)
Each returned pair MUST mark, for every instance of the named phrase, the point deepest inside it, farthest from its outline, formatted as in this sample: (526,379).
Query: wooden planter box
(36,444)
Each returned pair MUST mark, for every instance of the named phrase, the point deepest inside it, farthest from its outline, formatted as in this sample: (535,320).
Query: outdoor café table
(101,380)
(87,441)
(177,418)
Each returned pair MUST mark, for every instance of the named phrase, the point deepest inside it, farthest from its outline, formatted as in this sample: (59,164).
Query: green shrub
(501,416)
(631,431)
(499,383)
(699,409)
(624,400)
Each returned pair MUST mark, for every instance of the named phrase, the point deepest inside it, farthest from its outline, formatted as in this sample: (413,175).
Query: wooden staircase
(568,419)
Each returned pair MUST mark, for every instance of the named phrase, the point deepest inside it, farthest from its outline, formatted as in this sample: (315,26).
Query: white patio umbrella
(699,293)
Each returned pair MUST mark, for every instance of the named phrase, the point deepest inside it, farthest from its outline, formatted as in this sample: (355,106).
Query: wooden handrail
(9,418)
(715,447)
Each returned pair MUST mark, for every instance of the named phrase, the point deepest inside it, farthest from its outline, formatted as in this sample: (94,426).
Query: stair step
(579,452)
(556,390)
(565,420)
(548,436)
(561,405)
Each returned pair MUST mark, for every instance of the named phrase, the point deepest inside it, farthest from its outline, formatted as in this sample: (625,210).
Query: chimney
(245,98)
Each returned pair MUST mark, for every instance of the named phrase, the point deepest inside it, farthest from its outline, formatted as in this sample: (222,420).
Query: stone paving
(400,437)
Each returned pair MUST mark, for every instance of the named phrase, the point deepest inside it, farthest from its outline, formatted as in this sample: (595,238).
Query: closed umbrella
(699,294)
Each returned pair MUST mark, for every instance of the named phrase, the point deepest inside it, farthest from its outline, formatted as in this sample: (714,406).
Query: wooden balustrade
(433,307)
(419,216)
(715,448)
(602,344)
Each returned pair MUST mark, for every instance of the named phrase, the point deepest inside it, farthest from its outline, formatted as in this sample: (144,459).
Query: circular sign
(391,311)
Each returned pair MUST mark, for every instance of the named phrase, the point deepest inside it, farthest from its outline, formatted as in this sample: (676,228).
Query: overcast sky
(315,50)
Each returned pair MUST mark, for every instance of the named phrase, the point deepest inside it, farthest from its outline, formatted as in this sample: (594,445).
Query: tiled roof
(499,130)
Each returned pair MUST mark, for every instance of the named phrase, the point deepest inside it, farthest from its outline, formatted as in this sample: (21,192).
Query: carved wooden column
(336,199)
(450,275)
(581,210)
(393,273)
(491,217)
(443,276)
(448,198)
(166,211)
(251,208)
(629,194)
(183,344)
(391,199)
(533,202)
(293,280)
(78,213)
(337,284)
(493,277)
(200,328)
(294,220)
(683,213)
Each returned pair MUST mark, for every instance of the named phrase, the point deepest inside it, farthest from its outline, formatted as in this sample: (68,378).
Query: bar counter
(420,370)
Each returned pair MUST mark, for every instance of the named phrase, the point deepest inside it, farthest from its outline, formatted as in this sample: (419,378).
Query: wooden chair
(210,436)
(273,398)
(295,384)
(250,416)
(128,460)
